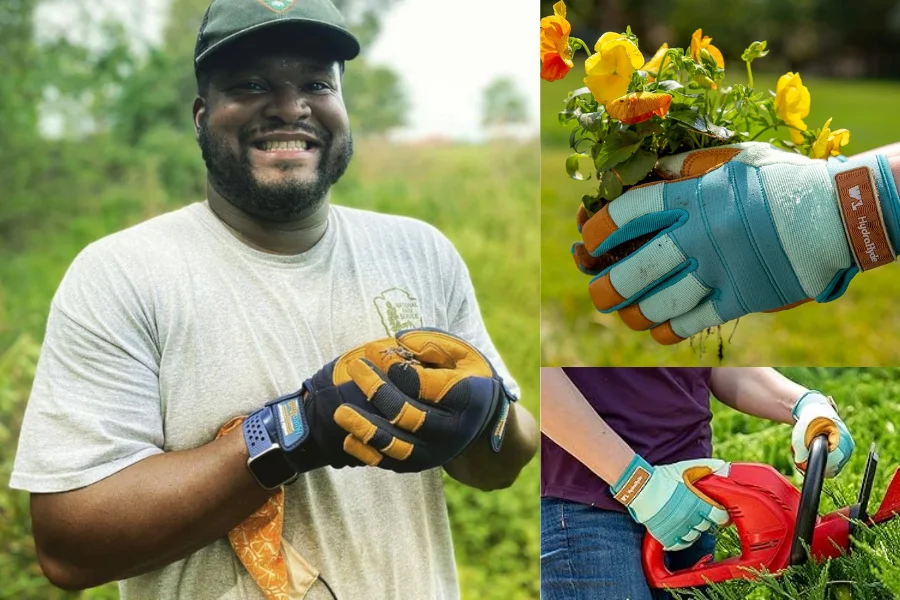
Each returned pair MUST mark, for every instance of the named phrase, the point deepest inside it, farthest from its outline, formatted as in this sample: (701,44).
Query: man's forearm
(480,467)
(757,391)
(146,516)
(569,420)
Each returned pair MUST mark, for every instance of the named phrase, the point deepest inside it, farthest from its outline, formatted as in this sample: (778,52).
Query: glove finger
(694,321)
(632,278)
(696,162)
(407,413)
(340,373)
(788,306)
(371,432)
(840,455)
(581,217)
(439,349)
(677,296)
(446,361)
(719,516)
(635,213)
(587,263)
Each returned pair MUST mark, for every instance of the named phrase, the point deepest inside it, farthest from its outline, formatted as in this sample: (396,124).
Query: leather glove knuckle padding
(434,392)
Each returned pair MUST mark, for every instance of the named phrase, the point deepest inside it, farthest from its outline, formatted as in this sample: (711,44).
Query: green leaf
(617,147)
(572,166)
(565,116)
(593,121)
(700,124)
(572,100)
(574,138)
(591,204)
(754,51)
(610,186)
(668,85)
(648,128)
(637,167)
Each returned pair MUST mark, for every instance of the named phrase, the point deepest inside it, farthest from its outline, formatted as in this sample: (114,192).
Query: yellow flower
(609,70)
(638,107)
(654,65)
(556,56)
(830,142)
(792,103)
(700,42)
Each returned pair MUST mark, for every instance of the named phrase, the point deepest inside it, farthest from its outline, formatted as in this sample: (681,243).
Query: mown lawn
(869,403)
(859,329)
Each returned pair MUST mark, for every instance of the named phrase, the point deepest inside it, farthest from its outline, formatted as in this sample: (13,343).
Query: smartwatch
(268,461)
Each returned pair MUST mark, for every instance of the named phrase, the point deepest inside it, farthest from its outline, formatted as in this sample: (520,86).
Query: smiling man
(254,396)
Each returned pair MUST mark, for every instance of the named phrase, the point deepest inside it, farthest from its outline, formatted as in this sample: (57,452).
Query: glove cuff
(811,397)
(870,209)
(632,481)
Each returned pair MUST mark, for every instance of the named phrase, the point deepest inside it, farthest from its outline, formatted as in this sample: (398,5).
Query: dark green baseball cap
(229,20)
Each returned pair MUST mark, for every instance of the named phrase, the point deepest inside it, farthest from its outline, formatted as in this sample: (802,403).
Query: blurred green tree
(503,103)
(823,37)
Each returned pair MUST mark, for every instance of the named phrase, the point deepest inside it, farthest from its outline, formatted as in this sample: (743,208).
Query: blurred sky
(446,53)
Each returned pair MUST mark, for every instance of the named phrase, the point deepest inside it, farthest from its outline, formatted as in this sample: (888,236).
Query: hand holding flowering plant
(729,217)
(632,112)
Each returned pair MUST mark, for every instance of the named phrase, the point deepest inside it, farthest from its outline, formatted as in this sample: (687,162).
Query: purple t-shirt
(662,414)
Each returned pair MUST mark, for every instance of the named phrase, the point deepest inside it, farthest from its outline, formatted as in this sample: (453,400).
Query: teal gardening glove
(665,501)
(816,414)
(739,229)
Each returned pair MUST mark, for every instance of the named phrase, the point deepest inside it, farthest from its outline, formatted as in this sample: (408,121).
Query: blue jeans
(593,554)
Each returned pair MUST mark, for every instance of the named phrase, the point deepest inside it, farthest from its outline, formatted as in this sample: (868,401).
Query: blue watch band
(257,435)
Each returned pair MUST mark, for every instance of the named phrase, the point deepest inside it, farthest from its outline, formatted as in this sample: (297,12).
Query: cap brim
(338,43)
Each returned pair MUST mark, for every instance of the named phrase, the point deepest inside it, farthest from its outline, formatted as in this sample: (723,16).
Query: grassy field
(869,402)
(484,198)
(848,331)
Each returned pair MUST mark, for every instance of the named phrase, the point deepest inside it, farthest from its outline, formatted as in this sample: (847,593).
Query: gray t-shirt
(161,333)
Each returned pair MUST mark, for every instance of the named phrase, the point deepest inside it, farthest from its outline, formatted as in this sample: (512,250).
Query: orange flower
(703,42)
(654,65)
(556,56)
(638,107)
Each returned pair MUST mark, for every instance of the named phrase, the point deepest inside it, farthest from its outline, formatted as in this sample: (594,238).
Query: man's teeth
(281,145)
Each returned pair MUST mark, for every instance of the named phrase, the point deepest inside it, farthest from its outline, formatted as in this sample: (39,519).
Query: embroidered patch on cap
(633,486)
(863,221)
(278,6)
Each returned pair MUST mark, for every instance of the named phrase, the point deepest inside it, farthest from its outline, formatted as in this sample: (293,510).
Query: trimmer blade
(865,490)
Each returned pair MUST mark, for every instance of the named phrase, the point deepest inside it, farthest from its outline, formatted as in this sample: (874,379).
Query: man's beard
(232,176)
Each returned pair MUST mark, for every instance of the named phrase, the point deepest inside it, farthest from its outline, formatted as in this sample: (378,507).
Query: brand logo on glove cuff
(633,486)
(290,421)
(863,221)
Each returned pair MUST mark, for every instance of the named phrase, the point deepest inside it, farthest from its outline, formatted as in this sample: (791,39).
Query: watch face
(271,468)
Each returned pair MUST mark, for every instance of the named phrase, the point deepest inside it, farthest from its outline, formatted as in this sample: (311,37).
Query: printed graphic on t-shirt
(398,310)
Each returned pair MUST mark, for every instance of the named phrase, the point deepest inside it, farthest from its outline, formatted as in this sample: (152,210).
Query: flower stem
(578,43)
(749,75)
(761,131)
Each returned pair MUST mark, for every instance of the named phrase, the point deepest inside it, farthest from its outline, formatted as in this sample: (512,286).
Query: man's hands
(816,414)
(665,501)
(739,229)
(408,403)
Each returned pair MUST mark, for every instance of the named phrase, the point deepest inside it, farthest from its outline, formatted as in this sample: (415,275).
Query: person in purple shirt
(620,451)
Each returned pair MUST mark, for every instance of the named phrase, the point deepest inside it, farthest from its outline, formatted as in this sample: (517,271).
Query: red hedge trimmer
(774,520)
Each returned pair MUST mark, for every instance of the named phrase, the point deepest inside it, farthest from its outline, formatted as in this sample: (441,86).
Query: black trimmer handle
(810,494)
